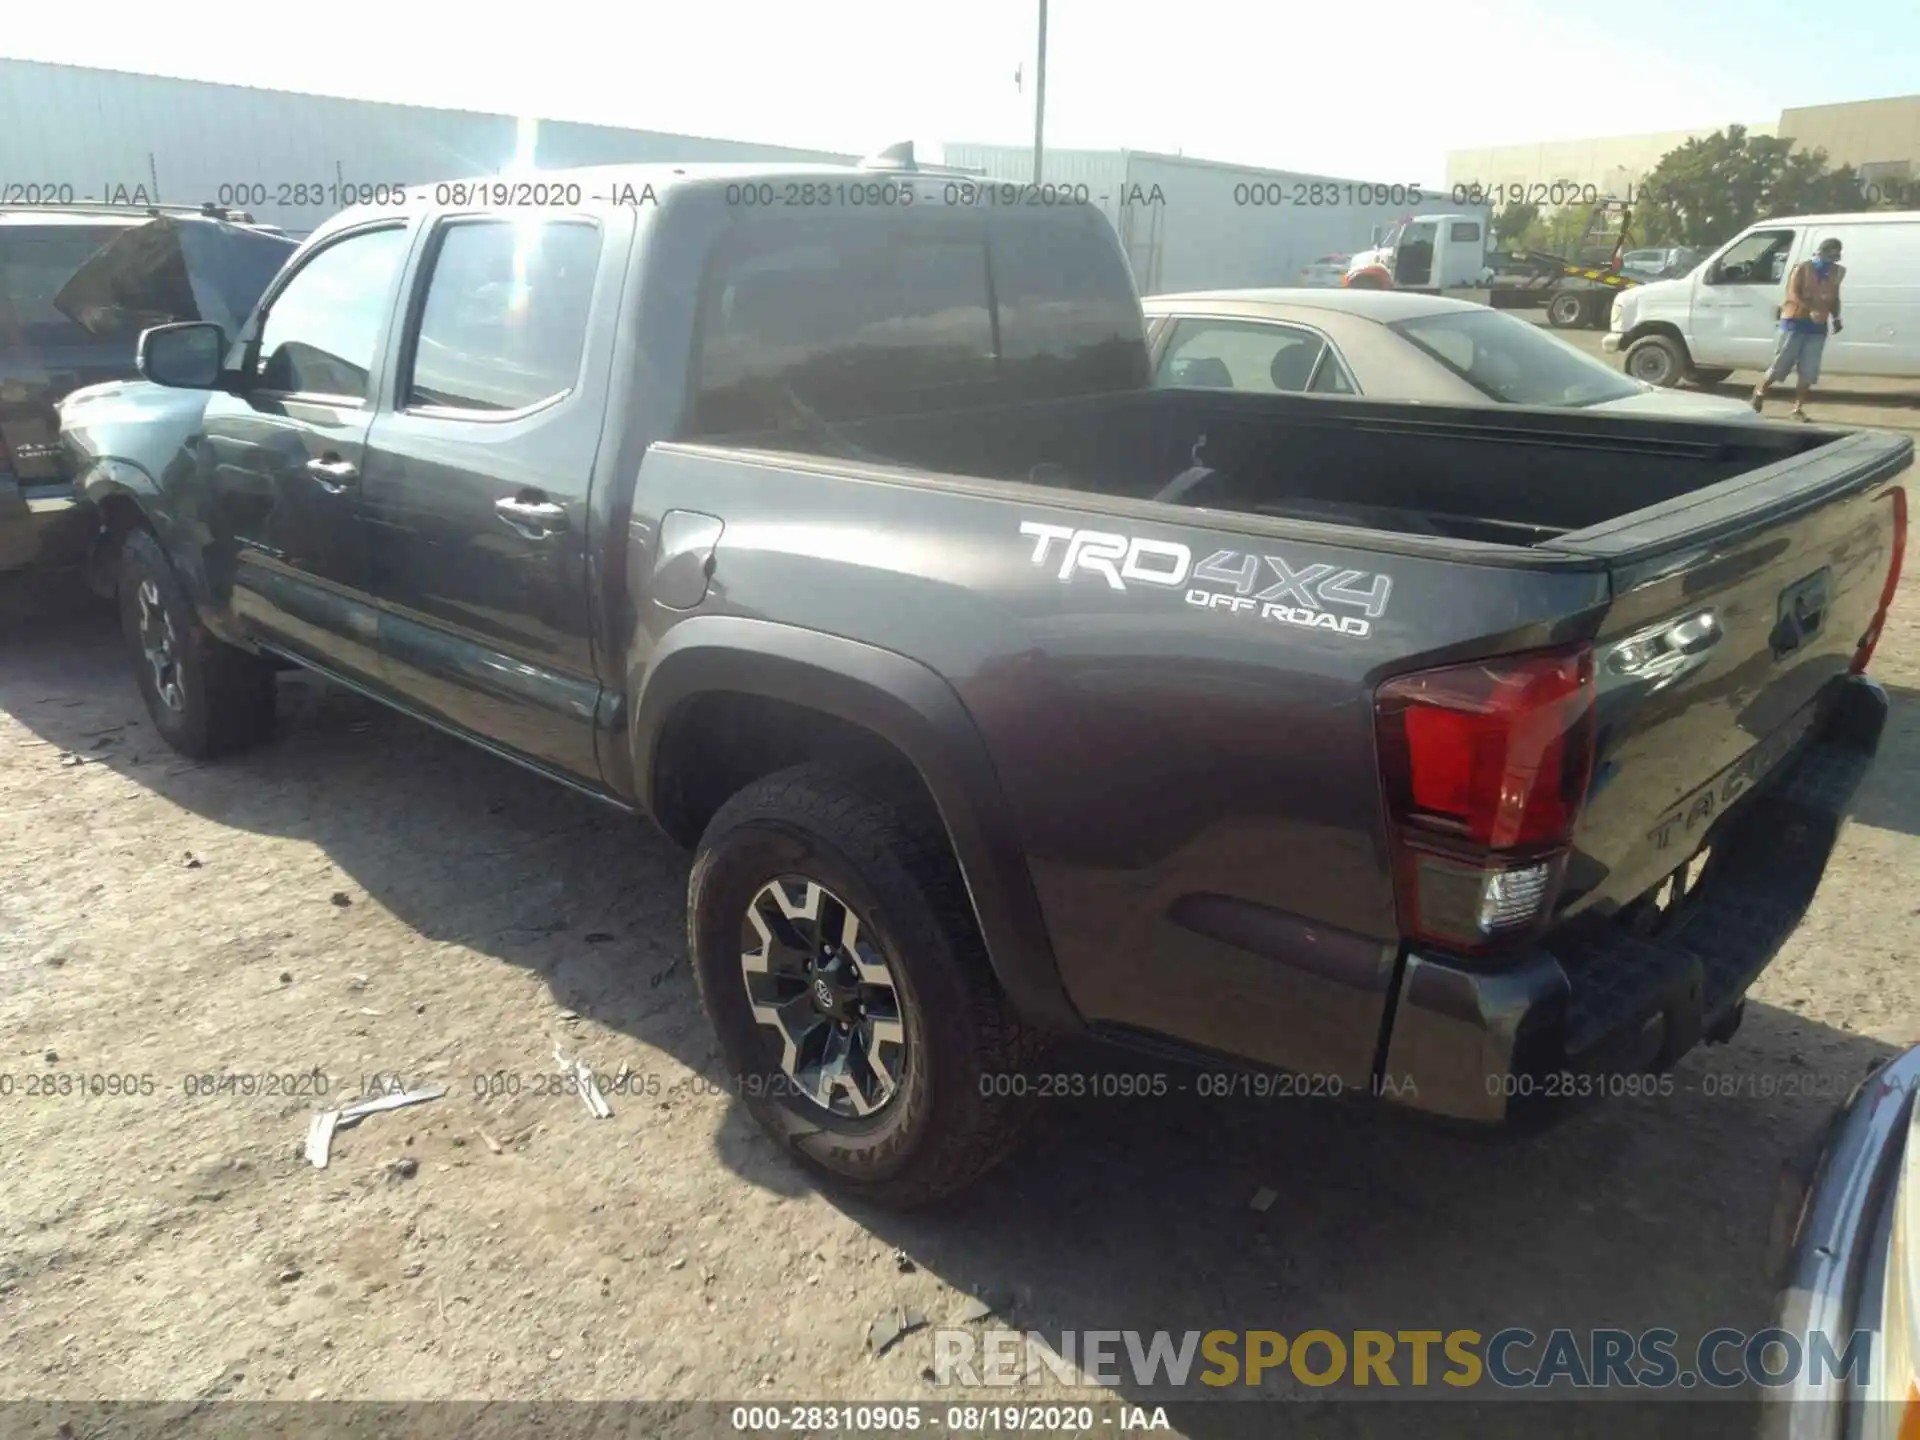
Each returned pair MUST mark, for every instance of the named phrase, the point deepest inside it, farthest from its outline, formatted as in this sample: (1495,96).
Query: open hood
(175,267)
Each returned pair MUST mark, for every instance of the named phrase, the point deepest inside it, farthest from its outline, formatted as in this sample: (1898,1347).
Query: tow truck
(1449,255)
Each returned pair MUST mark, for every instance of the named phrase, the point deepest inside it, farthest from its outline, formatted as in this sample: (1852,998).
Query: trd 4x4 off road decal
(1263,585)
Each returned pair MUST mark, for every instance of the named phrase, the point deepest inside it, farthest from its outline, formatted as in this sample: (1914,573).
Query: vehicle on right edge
(1852,1271)
(1724,315)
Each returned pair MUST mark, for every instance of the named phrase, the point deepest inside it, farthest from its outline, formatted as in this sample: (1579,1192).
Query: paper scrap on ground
(321,1128)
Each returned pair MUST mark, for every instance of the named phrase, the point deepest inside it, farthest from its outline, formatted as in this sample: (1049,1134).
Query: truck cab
(1428,254)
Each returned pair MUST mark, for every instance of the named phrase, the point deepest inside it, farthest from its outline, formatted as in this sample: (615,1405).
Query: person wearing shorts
(1813,299)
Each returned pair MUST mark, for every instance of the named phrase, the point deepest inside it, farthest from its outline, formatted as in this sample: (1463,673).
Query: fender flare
(912,708)
(108,477)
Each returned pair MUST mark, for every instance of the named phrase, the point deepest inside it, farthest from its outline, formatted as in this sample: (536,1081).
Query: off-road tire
(950,1121)
(227,694)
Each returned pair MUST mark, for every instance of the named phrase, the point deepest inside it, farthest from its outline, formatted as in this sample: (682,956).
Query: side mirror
(186,356)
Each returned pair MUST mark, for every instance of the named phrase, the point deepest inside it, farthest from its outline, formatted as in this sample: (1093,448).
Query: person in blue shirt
(1813,300)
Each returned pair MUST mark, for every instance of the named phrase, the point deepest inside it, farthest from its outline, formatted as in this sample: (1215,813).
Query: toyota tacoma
(830,519)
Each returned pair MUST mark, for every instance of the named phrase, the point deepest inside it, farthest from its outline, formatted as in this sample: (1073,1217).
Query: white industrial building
(1190,224)
(69,133)
(74,134)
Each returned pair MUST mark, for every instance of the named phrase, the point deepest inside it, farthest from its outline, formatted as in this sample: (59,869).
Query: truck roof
(609,186)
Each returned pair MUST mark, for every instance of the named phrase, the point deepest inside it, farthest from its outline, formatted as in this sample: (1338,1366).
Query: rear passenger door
(1264,356)
(477,500)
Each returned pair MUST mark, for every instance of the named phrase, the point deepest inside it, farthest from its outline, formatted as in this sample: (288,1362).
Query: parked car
(1322,272)
(1000,694)
(1724,315)
(77,285)
(1659,264)
(1393,346)
(1853,1270)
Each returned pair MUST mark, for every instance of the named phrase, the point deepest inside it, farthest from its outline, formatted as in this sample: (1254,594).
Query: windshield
(1513,362)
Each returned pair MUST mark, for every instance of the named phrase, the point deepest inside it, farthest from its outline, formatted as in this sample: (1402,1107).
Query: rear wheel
(205,697)
(837,960)
(1656,360)
(1567,310)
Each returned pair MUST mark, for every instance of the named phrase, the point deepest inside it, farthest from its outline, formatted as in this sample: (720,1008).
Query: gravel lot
(366,898)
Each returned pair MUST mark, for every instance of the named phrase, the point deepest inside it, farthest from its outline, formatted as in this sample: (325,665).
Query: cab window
(1756,259)
(323,329)
(1260,356)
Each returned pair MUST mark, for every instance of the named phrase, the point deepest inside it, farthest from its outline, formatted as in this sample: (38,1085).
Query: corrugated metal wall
(102,132)
(1190,224)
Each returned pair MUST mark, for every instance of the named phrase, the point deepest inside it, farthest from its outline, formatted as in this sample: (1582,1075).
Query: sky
(1379,90)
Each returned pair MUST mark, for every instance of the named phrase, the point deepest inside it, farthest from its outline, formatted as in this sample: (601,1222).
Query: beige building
(1879,138)
(1582,169)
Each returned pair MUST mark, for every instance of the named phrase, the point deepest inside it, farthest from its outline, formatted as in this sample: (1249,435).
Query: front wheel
(837,960)
(205,697)
(1656,360)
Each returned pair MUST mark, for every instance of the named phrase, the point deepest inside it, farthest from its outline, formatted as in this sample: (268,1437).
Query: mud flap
(1682,1015)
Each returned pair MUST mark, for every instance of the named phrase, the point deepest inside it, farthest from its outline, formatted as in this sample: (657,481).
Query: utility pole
(1040,96)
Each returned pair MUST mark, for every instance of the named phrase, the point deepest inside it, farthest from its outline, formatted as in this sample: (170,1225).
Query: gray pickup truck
(1479,759)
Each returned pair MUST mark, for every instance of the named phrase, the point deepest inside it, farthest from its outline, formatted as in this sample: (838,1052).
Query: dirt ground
(365,899)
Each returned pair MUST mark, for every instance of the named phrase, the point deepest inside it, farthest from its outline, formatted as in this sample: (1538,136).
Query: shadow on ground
(1121,1214)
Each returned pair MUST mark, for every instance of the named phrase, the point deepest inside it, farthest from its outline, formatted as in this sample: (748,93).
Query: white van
(1723,315)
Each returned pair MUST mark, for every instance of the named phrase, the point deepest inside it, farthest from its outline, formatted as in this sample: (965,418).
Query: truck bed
(1720,581)
(1511,476)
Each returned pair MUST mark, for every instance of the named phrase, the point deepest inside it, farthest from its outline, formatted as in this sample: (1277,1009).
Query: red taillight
(1486,767)
(1872,637)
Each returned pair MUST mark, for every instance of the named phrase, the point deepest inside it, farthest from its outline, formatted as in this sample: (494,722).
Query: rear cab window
(841,315)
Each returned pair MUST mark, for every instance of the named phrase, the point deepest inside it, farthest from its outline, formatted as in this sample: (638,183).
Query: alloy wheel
(161,647)
(820,983)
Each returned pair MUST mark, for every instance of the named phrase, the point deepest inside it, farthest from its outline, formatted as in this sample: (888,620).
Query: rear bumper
(41,524)
(1611,341)
(1579,1018)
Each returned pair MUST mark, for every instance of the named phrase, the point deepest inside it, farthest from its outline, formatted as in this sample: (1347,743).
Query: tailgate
(1736,611)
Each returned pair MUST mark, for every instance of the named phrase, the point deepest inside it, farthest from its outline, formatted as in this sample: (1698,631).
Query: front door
(477,489)
(1413,256)
(284,461)
(1736,305)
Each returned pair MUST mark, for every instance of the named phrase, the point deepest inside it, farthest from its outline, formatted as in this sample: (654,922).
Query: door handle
(531,518)
(332,473)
